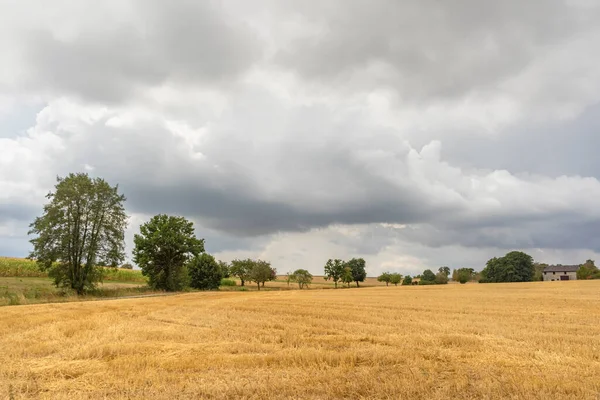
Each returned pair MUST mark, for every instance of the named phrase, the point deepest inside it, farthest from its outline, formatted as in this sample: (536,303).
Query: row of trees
(347,272)
(248,270)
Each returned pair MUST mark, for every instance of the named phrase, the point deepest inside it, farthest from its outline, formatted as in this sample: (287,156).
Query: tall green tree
(82,227)
(515,266)
(204,272)
(407,280)
(163,247)
(260,272)
(588,270)
(357,266)
(334,269)
(241,269)
(445,271)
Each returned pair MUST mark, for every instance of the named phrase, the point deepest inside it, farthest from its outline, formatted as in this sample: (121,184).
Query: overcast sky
(413,134)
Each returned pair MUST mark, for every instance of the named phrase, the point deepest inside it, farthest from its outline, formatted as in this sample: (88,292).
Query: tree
(260,272)
(407,280)
(428,276)
(515,266)
(224,269)
(347,276)
(441,278)
(588,270)
(81,227)
(241,269)
(163,247)
(395,278)
(334,269)
(357,266)
(385,277)
(538,271)
(464,275)
(445,271)
(204,271)
(303,277)
(273,276)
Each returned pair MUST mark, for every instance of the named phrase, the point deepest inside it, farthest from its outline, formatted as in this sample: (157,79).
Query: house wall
(549,276)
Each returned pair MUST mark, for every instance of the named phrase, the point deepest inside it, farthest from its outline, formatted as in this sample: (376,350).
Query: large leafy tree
(163,247)
(334,270)
(357,266)
(204,272)
(515,266)
(428,276)
(82,227)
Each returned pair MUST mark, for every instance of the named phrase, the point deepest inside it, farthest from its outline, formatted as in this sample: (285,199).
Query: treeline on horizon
(82,230)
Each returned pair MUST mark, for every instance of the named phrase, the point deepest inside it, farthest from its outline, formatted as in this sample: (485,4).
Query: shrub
(407,280)
(426,282)
(204,272)
(126,266)
(228,282)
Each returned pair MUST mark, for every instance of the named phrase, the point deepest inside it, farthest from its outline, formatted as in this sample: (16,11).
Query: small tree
(357,267)
(260,272)
(385,277)
(445,271)
(347,276)
(334,269)
(303,277)
(588,270)
(241,269)
(407,280)
(82,227)
(395,278)
(464,275)
(163,247)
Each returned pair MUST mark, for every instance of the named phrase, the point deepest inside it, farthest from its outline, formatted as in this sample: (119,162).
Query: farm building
(561,273)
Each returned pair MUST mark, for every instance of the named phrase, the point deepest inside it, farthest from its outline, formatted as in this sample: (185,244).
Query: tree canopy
(395,278)
(163,247)
(204,271)
(302,277)
(357,267)
(515,266)
(385,277)
(334,269)
(241,269)
(260,272)
(81,228)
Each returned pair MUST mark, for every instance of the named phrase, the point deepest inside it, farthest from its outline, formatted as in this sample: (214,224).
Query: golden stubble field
(534,340)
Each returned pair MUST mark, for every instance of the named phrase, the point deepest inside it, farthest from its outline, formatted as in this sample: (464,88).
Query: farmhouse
(561,273)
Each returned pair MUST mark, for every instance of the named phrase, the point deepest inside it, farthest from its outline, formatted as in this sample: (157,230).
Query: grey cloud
(433,48)
(193,43)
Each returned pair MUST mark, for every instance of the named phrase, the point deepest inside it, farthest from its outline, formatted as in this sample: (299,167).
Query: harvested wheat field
(534,340)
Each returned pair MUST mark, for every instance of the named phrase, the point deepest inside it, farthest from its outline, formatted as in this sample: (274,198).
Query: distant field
(21,267)
(534,340)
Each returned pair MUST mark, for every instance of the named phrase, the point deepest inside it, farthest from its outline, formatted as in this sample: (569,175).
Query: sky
(412,134)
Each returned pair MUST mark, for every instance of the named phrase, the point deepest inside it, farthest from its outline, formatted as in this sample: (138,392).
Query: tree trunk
(335,282)
(242,282)
(357,284)
(387,284)
(263,284)
(258,284)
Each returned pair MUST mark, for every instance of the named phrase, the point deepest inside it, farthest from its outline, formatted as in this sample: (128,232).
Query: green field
(21,282)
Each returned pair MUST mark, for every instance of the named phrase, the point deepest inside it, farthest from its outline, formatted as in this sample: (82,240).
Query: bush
(228,282)
(126,266)
(426,282)
(204,272)
(441,278)
(407,280)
